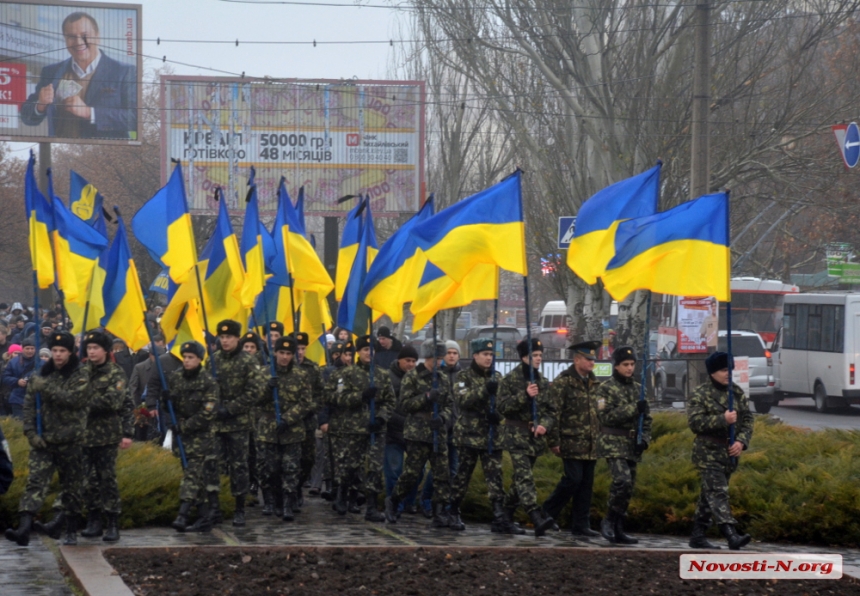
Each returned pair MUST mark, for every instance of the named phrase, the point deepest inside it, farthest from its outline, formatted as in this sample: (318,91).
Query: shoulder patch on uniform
(210,405)
(120,385)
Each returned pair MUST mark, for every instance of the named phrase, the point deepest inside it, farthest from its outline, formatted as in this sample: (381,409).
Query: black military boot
(391,507)
(239,513)
(501,524)
(112,528)
(340,504)
(215,508)
(71,538)
(511,512)
(326,492)
(180,524)
(698,539)
(620,536)
(372,513)
(300,498)
(54,527)
(203,523)
(735,540)
(278,507)
(352,505)
(22,534)
(440,516)
(288,514)
(607,526)
(454,521)
(584,530)
(541,523)
(94,525)
(268,497)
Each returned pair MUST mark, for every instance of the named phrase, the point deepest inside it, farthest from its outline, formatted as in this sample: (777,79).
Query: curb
(91,571)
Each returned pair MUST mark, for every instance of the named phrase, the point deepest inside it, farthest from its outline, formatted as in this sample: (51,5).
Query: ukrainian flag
(224,275)
(592,245)
(40,218)
(182,325)
(85,200)
(315,319)
(484,228)
(253,256)
(163,226)
(352,313)
(683,252)
(349,241)
(396,271)
(438,292)
(123,296)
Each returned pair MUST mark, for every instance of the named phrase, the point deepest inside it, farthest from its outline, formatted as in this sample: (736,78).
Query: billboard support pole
(330,249)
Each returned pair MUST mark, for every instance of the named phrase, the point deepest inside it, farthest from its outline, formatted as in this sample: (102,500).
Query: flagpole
(164,388)
(373,400)
(644,368)
(731,362)
(36,340)
(529,347)
(493,368)
(435,388)
(203,306)
(87,306)
(271,358)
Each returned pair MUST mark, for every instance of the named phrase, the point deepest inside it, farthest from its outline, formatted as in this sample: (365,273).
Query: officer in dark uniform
(573,435)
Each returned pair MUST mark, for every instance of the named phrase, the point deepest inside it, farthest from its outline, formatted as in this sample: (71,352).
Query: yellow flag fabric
(316,317)
(439,292)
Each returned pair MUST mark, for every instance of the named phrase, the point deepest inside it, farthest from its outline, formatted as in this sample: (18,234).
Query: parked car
(750,344)
(503,335)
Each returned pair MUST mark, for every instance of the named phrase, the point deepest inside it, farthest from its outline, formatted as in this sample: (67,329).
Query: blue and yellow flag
(683,252)
(163,226)
(396,271)
(439,292)
(123,296)
(352,313)
(182,325)
(253,255)
(85,200)
(349,241)
(315,319)
(592,246)
(484,228)
(223,274)
(40,219)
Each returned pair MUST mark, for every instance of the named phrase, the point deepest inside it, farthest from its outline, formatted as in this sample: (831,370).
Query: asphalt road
(800,411)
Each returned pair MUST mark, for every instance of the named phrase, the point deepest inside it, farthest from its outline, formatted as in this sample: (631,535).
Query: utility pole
(700,165)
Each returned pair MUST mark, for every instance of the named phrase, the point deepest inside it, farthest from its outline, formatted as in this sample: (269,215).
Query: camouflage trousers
(523,490)
(714,498)
(101,491)
(68,461)
(201,455)
(309,450)
(354,455)
(280,465)
(492,466)
(623,474)
(234,456)
(418,454)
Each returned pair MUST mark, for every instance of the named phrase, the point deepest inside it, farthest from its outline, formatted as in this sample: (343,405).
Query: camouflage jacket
(241,382)
(573,408)
(619,411)
(316,396)
(194,395)
(111,412)
(294,401)
(65,402)
(516,406)
(413,401)
(352,415)
(472,429)
(706,409)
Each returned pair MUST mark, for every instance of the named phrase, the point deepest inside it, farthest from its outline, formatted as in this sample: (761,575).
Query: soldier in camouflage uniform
(422,390)
(522,393)
(110,426)
(253,345)
(63,387)
(710,417)
(194,396)
(241,381)
(331,374)
(620,412)
(573,436)
(359,440)
(475,393)
(280,443)
(309,445)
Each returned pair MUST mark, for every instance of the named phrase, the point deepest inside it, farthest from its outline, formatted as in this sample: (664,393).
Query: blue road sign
(566,227)
(852,145)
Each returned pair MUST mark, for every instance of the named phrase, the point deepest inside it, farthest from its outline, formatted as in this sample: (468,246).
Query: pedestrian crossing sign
(566,227)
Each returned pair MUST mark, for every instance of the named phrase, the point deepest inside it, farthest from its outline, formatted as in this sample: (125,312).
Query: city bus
(757,305)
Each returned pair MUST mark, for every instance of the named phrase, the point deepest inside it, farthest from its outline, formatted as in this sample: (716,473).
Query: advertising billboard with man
(70,72)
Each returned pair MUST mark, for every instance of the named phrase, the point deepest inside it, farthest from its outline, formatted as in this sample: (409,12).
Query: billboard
(70,72)
(334,138)
(698,324)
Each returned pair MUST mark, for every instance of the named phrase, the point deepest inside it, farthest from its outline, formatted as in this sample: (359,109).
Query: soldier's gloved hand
(377,426)
(643,407)
(433,396)
(222,413)
(494,418)
(640,447)
(368,394)
(273,382)
(492,387)
(437,423)
(283,427)
(37,442)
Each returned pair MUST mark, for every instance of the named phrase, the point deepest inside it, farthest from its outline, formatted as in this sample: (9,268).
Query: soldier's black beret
(63,339)
(623,354)
(287,344)
(193,347)
(98,338)
(362,342)
(302,338)
(523,347)
(586,348)
(717,362)
(228,327)
(276,326)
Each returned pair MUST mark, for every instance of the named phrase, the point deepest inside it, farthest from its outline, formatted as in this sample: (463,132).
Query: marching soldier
(281,444)
(424,389)
(110,426)
(330,384)
(475,390)
(519,391)
(359,440)
(573,435)
(619,413)
(194,395)
(241,381)
(309,446)
(63,387)
(716,458)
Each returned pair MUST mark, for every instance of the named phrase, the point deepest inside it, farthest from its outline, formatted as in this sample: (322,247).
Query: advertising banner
(698,324)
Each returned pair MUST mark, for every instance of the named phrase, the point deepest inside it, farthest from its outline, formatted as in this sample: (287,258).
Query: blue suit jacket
(112,92)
